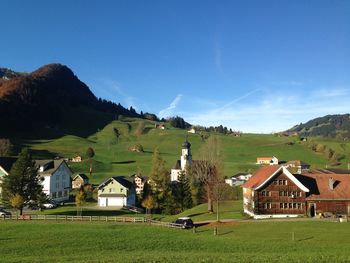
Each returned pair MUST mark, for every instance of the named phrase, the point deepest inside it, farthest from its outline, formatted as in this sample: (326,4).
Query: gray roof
(120,179)
(177,165)
(52,165)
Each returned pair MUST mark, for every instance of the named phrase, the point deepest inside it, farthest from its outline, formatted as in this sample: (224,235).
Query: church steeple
(186,155)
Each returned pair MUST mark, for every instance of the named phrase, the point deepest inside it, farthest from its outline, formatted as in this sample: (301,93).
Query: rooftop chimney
(331,182)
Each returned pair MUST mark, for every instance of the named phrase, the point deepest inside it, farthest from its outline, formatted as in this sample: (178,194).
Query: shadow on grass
(123,162)
(88,212)
(306,238)
(198,214)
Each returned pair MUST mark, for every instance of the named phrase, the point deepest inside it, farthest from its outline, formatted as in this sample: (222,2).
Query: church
(186,158)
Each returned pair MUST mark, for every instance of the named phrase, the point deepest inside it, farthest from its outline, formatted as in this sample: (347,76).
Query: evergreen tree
(182,192)
(22,186)
(159,181)
(196,187)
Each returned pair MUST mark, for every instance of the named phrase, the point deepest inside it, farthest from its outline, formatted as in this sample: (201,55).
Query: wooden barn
(274,192)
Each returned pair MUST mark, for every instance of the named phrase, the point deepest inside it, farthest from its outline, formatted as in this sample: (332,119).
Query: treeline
(219,129)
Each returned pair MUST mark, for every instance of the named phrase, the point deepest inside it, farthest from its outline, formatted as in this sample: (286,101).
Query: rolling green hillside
(113,157)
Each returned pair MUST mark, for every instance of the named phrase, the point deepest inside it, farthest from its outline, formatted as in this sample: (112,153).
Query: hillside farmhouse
(186,158)
(139,182)
(267,160)
(79,180)
(298,165)
(56,177)
(274,192)
(116,191)
(76,159)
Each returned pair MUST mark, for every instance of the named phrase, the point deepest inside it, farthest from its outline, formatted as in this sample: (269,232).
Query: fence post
(215,231)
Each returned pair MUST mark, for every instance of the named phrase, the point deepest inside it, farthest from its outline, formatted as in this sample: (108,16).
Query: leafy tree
(80,199)
(90,153)
(149,204)
(22,183)
(159,181)
(17,201)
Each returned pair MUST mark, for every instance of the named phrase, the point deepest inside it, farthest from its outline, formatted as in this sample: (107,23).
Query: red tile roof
(261,176)
(319,183)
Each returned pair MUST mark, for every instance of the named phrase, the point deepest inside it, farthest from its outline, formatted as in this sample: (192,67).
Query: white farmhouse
(56,178)
(186,158)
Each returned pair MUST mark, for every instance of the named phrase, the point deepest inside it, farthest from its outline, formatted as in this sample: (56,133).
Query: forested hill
(47,96)
(327,126)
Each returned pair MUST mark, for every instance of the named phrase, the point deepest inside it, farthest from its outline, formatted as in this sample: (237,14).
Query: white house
(5,167)
(192,130)
(116,191)
(186,158)
(272,160)
(56,178)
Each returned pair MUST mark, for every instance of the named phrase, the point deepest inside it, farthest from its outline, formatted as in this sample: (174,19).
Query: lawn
(263,241)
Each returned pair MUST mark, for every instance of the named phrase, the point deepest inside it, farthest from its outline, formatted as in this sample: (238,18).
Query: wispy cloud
(332,92)
(169,111)
(269,112)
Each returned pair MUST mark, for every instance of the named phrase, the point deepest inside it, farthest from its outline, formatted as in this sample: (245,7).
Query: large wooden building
(274,192)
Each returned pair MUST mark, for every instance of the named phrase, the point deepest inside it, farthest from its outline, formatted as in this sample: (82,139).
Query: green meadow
(262,241)
(114,158)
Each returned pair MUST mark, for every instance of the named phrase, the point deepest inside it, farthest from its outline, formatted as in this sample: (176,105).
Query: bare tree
(208,169)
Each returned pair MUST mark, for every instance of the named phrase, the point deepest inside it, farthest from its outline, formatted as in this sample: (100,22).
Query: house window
(267,206)
(285,193)
(54,195)
(294,205)
(281,193)
(281,205)
(285,182)
(285,205)
(280,182)
(275,182)
(263,193)
(121,190)
(59,194)
(57,185)
(111,190)
(290,205)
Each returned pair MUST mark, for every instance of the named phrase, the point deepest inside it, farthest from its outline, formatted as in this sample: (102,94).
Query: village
(287,189)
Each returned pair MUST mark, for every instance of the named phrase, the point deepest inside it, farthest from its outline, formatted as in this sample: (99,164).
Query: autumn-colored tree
(159,181)
(17,201)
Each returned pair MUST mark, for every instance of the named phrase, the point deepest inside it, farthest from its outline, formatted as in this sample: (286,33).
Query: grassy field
(113,157)
(314,241)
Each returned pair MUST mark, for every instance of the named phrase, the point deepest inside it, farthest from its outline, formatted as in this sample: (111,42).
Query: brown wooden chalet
(274,192)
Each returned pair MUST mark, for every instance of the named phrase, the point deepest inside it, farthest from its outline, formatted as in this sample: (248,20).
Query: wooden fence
(67,218)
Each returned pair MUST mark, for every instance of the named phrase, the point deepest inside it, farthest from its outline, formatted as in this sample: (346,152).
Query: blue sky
(254,66)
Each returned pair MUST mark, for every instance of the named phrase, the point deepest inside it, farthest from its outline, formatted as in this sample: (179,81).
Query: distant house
(76,159)
(5,167)
(298,165)
(116,191)
(159,126)
(192,130)
(267,160)
(139,182)
(238,179)
(274,192)
(79,180)
(56,177)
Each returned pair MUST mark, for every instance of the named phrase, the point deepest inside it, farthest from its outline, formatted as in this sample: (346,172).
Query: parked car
(4,213)
(50,204)
(186,222)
